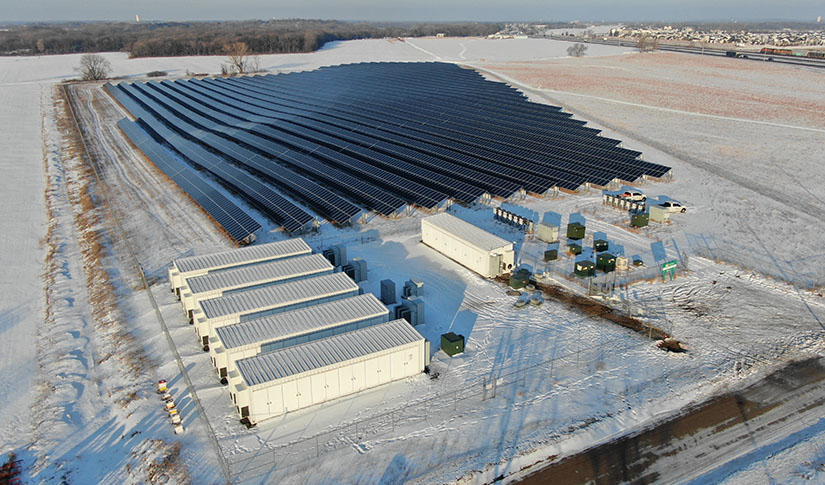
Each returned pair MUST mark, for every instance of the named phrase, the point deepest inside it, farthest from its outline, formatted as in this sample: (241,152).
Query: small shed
(585,268)
(413,287)
(519,279)
(659,214)
(639,219)
(606,262)
(600,245)
(388,292)
(575,230)
(574,248)
(452,344)
(547,232)
(551,255)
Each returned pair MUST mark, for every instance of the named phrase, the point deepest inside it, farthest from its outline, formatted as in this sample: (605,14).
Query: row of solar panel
(617,152)
(570,151)
(471,165)
(380,201)
(306,135)
(237,223)
(572,182)
(253,134)
(333,79)
(495,124)
(479,106)
(523,178)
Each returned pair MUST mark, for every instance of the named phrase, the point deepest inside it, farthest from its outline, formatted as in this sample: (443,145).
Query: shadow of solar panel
(280,209)
(237,223)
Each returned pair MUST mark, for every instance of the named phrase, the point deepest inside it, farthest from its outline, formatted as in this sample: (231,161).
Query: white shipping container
(270,300)
(297,377)
(219,283)
(243,340)
(202,264)
(471,246)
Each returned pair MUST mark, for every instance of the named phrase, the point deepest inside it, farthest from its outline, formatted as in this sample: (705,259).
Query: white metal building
(204,263)
(471,246)
(248,339)
(219,283)
(246,305)
(315,372)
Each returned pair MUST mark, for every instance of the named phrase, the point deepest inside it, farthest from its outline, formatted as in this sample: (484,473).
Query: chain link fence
(288,457)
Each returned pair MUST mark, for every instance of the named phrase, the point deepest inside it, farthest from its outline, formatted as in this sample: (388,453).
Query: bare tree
(577,50)
(239,59)
(41,46)
(648,43)
(93,67)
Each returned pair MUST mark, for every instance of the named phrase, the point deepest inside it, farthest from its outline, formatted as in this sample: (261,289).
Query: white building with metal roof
(468,245)
(248,339)
(303,375)
(269,300)
(219,283)
(204,263)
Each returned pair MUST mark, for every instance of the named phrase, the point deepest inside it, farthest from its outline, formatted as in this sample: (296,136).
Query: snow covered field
(533,383)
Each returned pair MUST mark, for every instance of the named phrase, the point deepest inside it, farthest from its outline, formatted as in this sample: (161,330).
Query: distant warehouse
(471,246)
(300,376)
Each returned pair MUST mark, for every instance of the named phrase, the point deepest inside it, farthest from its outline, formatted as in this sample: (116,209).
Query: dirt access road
(708,441)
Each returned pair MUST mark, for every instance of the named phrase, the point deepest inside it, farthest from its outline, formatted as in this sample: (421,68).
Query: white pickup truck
(673,206)
(633,195)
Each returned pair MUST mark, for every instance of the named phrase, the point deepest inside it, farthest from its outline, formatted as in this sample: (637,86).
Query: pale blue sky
(411,10)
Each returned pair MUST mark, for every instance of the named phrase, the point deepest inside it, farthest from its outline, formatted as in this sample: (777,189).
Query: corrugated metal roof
(278,295)
(472,235)
(325,352)
(305,320)
(249,254)
(280,269)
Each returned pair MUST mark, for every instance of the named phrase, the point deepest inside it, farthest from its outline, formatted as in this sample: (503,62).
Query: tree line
(156,39)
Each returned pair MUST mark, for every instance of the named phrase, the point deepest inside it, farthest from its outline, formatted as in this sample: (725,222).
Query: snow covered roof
(304,320)
(279,295)
(249,254)
(325,352)
(469,233)
(279,269)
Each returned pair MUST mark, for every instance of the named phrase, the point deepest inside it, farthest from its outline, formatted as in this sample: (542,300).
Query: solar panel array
(378,136)
(232,218)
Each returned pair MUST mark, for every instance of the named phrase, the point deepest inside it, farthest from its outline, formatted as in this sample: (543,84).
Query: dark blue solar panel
(237,223)
(382,134)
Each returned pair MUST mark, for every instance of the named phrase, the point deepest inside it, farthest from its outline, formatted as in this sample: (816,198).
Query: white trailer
(219,283)
(247,305)
(202,264)
(243,340)
(297,377)
(468,245)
